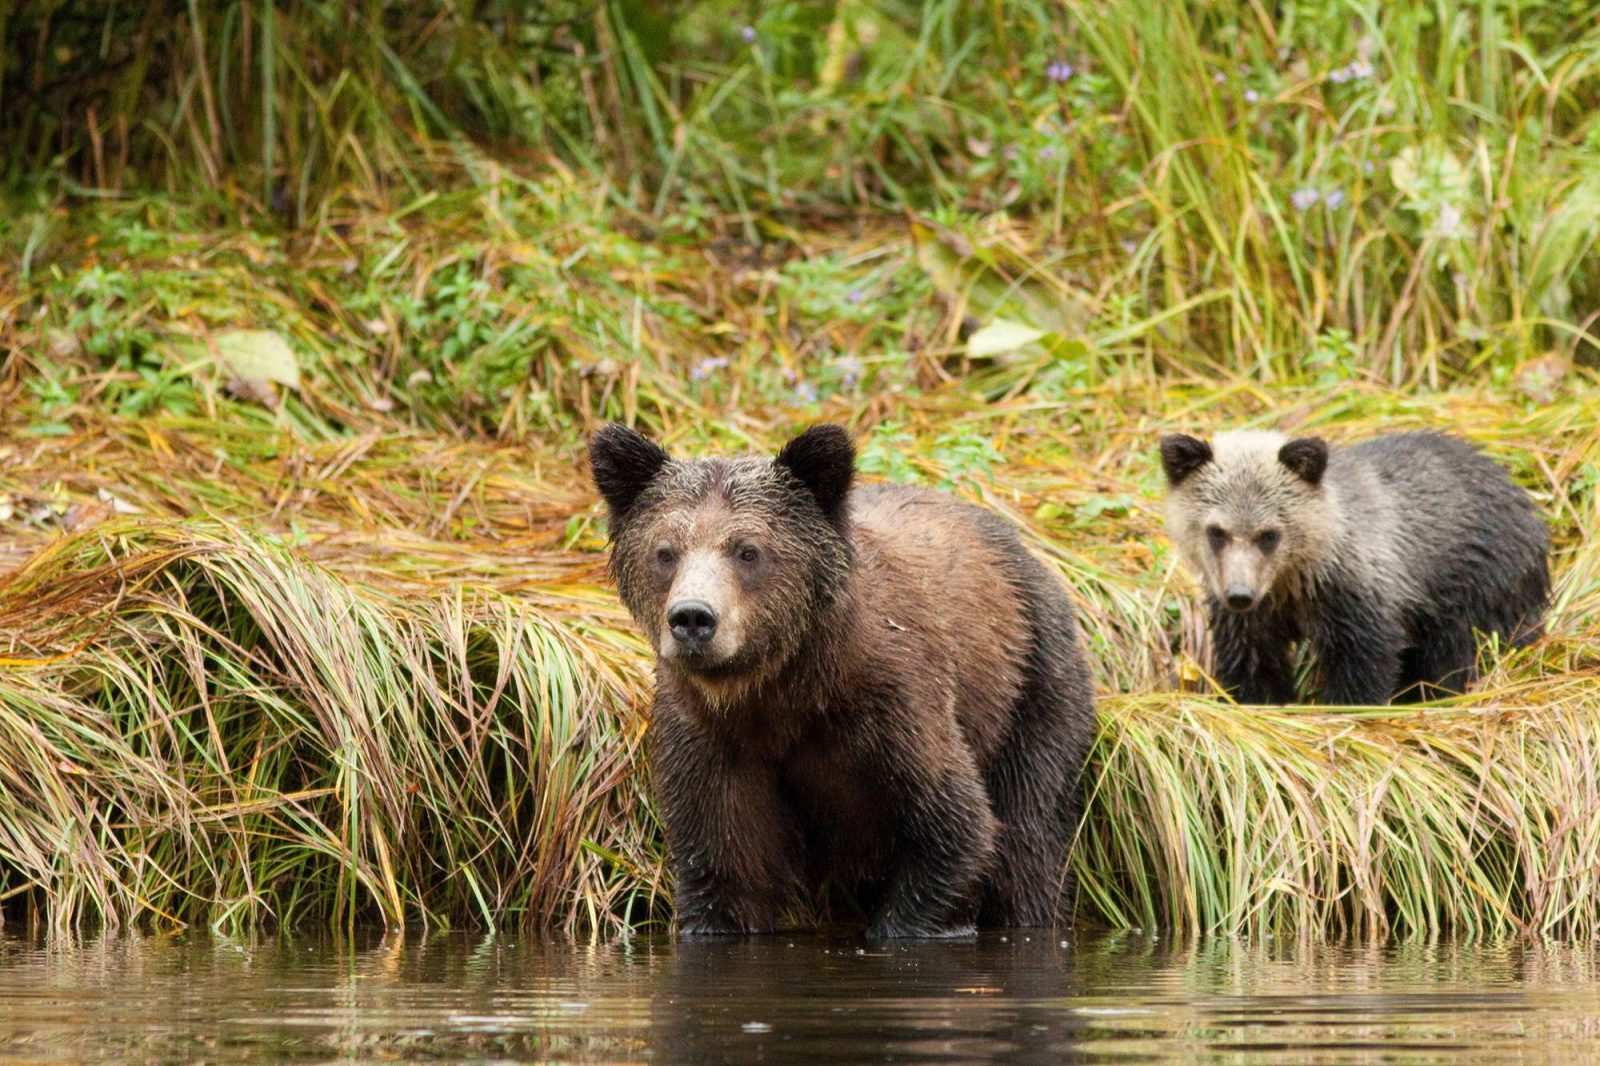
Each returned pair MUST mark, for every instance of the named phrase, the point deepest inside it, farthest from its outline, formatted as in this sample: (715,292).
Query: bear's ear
(1182,455)
(623,462)
(1306,457)
(824,460)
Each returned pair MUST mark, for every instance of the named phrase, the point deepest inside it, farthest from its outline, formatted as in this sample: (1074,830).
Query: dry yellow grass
(382,678)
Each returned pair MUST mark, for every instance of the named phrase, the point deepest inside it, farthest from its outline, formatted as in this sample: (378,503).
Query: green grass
(303,616)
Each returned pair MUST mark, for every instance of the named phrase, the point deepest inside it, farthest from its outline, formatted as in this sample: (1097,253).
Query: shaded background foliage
(1270,182)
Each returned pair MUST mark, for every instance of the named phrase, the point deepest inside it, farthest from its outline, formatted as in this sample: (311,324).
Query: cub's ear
(824,460)
(623,462)
(1182,455)
(1306,457)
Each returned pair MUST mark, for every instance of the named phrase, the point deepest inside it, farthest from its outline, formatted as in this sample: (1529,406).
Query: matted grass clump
(401,691)
(1474,819)
(203,727)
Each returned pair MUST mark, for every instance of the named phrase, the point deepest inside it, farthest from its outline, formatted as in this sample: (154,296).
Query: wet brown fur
(909,718)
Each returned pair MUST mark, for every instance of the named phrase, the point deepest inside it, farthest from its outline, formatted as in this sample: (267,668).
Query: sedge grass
(201,727)
(346,705)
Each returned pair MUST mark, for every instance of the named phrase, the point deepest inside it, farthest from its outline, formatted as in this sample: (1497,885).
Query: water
(1102,998)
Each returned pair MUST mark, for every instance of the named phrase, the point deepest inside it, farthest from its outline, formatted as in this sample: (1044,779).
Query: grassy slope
(344,650)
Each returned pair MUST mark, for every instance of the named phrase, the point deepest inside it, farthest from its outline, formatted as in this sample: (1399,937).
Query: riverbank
(257,674)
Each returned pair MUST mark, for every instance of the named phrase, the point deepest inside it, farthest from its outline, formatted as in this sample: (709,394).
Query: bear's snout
(1240,597)
(693,623)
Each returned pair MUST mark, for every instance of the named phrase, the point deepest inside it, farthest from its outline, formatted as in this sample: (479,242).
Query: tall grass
(1474,820)
(1419,176)
(403,693)
(201,728)
(282,107)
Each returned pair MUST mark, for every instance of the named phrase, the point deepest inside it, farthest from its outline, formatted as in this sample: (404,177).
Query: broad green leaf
(257,357)
(1001,337)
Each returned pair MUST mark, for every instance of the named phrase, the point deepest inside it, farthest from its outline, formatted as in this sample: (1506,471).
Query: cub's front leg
(731,840)
(1252,653)
(1358,642)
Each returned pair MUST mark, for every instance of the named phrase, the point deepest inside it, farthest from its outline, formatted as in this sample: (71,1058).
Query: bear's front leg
(1251,651)
(944,838)
(1358,644)
(730,837)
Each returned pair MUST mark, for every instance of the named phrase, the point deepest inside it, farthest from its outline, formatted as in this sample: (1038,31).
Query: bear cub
(876,688)
(1386,555)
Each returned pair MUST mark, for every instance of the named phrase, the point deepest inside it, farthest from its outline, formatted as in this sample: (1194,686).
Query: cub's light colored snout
(1240,578)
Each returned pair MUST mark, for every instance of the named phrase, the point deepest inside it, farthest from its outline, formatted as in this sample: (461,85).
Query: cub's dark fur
(876,687)
(1387,555)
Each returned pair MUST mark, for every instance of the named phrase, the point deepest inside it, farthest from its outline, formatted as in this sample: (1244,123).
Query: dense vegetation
(306,306)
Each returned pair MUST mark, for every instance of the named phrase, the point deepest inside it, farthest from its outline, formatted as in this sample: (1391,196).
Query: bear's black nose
(1241,599)
(692,621)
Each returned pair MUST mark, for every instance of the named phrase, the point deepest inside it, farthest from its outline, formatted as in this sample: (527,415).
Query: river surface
(1094,998)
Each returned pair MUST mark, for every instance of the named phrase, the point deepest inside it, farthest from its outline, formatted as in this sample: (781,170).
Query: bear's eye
(1267,539)
(749,553)
(666,556)
(1217,535)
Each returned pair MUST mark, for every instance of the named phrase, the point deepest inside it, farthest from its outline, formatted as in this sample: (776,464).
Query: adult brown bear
(873,686)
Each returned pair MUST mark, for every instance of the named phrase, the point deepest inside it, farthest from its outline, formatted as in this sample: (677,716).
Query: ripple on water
(1098,998)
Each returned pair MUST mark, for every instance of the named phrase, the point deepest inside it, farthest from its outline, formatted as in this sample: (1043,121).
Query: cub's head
(1248,512)
(726,564)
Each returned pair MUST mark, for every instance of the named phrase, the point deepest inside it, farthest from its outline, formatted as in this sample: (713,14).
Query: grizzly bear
(870,687)
(1386,555)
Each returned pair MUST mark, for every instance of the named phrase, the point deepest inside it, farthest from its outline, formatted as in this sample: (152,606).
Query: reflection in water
(1099,998)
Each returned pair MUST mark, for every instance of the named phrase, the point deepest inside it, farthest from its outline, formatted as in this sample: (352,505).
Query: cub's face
(1248,515)
(726,563)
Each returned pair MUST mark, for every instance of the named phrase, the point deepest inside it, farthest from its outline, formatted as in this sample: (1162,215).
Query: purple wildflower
(748,34)
(1251,96)
(1127,246)
(703,369)
(1304,199)
(1334,199)
(855,296)
(1351,72)
(849,371)
(1059,71)
(1218,78)
(1047,152)
(805,392)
